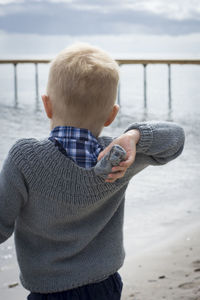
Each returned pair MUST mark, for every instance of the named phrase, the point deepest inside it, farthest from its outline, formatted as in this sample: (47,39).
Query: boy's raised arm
(163,140)
(13,195)
(148,143)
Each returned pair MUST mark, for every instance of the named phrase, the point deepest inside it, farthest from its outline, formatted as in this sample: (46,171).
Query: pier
(144,62)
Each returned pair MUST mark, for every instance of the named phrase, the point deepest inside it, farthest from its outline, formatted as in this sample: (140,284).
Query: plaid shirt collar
(78,143)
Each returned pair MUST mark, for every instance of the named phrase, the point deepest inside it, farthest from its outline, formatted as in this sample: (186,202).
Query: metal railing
(168,62)
(121,62)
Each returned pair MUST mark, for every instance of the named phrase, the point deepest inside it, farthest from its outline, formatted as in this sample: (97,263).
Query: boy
(68,222)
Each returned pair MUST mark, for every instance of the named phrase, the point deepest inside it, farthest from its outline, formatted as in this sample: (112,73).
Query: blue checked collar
(78,144)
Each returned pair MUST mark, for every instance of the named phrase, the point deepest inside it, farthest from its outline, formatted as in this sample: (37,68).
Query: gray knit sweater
(67,221)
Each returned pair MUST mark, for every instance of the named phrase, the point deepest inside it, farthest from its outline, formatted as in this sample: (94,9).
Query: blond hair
(82,85)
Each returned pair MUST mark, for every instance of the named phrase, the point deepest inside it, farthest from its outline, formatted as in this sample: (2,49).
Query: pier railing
(121,62)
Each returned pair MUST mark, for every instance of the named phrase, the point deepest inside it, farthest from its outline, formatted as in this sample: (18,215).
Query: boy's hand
(128,141)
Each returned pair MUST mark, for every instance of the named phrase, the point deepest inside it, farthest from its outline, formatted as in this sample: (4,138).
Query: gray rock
(111,159)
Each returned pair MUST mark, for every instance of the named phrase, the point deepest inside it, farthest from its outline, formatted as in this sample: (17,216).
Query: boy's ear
(47,106)
(112,115)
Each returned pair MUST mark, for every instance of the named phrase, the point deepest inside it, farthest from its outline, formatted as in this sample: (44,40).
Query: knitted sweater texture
(67,221)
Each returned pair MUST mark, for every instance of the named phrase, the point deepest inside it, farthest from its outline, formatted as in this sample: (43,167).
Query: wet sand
(169,271)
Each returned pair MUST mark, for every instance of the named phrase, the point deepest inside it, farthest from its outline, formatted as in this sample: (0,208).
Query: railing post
(145,87)
(169,89)
(36,85)
(15,84)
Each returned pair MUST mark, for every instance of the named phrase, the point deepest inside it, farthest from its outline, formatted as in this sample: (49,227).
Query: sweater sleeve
(13,195)
(159,143)
(162,141)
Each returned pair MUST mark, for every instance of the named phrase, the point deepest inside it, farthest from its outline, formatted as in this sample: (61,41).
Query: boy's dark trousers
(108,289)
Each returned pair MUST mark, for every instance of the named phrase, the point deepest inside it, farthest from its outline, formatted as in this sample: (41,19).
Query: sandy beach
(170,270)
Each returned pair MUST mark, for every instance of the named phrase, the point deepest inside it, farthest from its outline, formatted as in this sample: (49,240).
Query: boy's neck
(54,124)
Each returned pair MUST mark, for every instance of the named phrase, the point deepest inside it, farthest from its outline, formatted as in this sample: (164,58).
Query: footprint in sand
(188,285)
(196,263)
(191,285)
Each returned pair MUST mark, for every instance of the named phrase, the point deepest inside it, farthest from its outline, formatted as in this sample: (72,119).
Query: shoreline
(170,270)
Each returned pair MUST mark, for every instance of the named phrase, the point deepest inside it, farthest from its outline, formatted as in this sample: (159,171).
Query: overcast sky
(76,17)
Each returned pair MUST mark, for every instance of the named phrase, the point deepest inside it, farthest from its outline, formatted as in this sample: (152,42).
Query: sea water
(160,200)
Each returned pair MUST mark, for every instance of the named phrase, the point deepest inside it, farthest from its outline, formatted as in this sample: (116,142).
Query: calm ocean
(160,200)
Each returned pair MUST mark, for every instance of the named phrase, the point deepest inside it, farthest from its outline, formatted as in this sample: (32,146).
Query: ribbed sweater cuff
(146,136)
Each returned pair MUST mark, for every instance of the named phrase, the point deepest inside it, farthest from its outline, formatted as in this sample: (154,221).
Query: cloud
(172,9)
(72,17)
(4,2)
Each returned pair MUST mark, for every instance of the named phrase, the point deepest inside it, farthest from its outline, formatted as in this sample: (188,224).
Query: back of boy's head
(82,85)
